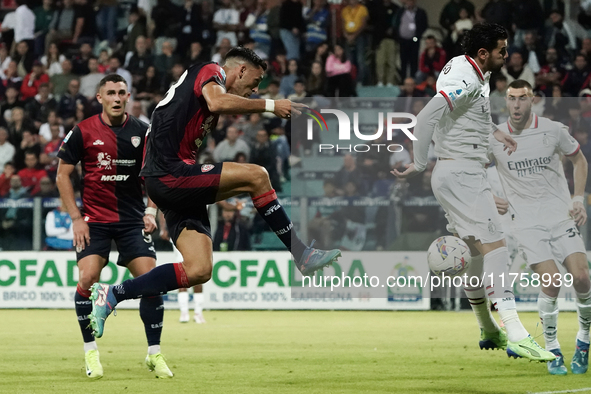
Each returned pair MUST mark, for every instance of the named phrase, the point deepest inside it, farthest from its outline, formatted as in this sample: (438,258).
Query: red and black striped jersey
(181,121)
(111,160)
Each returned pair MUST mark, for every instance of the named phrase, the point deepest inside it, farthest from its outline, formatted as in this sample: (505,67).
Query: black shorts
(129,238)
(183,197)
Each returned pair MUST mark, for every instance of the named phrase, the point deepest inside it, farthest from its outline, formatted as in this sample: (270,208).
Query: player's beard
(523,121)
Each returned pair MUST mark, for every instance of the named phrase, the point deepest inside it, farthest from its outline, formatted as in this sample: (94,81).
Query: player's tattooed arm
(579,213)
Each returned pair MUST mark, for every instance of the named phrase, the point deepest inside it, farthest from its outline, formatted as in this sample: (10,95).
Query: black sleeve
(72,149)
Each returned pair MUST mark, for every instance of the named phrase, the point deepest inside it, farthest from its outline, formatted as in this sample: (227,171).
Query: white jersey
(533,177)
(462,133)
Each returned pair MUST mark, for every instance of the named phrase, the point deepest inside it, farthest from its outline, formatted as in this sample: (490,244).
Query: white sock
(477,297)
(154,349)
(548,310)
(92,345)
(183,298)
(584,312)
(198,298)
(495,263)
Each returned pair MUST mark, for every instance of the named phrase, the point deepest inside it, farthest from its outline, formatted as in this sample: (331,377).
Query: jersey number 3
(170,93)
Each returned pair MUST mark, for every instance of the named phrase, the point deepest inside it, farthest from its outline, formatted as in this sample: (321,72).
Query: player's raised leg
(89,268)
(152,314)
(491,335)
(576,264)
(548,311)
(238,178)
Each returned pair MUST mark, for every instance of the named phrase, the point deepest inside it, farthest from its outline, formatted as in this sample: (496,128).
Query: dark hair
(299,81)
(430,37)
(112,78)
(501,77)
(520,84)
(248,55)
(483,35)
(31,152)
(9,163)
(274,82)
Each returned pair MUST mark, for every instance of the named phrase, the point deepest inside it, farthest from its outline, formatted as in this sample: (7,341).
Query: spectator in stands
(264,154)
(527,16)
(288,80)
(574,120)
(13,221)
(533,53)
(17,124)
(516,69)
(24,24)
(49,156)
(386,47)
(498,105)
(31,175)
(432,59)
(47,189)
(85,27)
(230,146)
(138,111)
(259,33)
(167,59)
(281,146)
(231,234)
(225,22)
(459,28)
(29,143)
(206,34)
(498,11)
(223,48)
(149,85)
(24,58)
(38,107)
(67,106)
(174,75)
(61,81)
(338,72)
(106,20)
(292,25)
(8,172)
(429,85)
(562,35)
(317,24)
(136,27)
(407,92)
(139,61)
(33,80)
(10,76)
(52,60)
(450,13)
(196,54)
(45,129)
(321,226)
(316,84)
(574,80)
(62,24)
(299,91)
(5,59)
(551,73)
(348,172)
(43,17)
(191,18)
(11,101)
(320,54)
(115,68)
(354,21)
(7,150)
(409,25)
(166,16)
(80,61)
(59,229)
(250,129)
(90,81)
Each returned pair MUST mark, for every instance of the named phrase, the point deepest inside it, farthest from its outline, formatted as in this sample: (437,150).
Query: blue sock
(83,307)
(152,314)
(158,281)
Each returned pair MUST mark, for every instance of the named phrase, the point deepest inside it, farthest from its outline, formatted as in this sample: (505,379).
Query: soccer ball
(448,255)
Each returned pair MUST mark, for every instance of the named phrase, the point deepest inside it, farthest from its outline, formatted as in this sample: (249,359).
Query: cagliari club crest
(207,167)
(135,141)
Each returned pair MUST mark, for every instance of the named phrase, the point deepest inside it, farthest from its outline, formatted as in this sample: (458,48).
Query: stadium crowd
(53,54)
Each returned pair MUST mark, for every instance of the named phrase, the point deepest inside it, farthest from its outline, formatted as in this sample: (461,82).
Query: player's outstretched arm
(507,140)
(220,102)
(64,185)
(579,213)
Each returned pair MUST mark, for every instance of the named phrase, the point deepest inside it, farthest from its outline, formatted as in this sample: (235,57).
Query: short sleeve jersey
(533,177)
(111,160)
(181,121)
(462,133)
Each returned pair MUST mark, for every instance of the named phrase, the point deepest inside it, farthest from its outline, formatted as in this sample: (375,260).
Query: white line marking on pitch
(563,391)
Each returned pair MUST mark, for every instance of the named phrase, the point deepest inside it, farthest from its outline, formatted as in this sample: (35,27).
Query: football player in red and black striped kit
(109,147)
(182,189)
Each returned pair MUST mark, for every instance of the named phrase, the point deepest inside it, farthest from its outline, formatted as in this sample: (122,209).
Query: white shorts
(463,192)
(543,243)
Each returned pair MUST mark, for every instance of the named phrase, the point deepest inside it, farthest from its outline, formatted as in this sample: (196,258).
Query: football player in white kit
(545,218)
(459,121)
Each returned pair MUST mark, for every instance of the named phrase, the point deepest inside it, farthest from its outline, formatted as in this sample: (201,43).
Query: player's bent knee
(86,280)
(199,274)
(581,281)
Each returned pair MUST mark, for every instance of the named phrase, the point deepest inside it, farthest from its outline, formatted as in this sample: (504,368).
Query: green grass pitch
(276,352)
